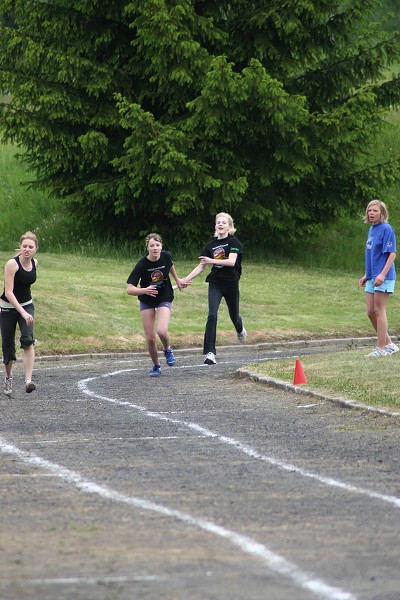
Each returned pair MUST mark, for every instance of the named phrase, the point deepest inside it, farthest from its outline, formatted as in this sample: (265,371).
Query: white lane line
(96,440)
(247,545)
(248,450)
(98,580)
(82,580)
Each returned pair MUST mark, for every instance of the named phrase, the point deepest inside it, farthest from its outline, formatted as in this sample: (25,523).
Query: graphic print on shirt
(219,254)
(157,277)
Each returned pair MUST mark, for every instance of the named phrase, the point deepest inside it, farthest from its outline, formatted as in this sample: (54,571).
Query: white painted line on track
(247,545)
(248,450)
(79,440)
(103,580)
(85,580)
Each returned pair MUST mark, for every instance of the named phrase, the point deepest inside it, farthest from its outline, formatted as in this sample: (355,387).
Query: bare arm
(133,290)
(229,262)
(379,279)
(181,283)
(196,271)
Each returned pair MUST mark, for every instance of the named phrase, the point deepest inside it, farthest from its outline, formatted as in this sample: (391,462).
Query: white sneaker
(391,348)
(8,381)
(242,336)
(378,352)
(210,359)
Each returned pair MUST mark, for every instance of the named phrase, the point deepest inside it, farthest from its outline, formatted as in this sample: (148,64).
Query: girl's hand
(152,290)
(28,318)
(362,281)
(205,260)
(379,279)
(182,283)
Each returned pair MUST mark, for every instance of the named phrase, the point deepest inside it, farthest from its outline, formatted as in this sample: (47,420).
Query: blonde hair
(231,224)
(153,236)
(28,236)
(384,211)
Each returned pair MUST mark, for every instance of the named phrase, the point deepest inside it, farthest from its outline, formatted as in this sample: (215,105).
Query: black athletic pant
(9,319)
(229,291)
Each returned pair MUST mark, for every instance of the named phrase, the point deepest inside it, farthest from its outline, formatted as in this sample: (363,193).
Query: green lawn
(351,375)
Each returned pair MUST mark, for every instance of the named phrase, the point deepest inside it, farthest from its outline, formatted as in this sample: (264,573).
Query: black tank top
(22,282)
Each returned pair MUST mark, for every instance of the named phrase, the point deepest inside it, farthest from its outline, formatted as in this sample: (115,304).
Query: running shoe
(169,357)
(210,359)
(29,386)
(378,352)
(156,371)
(242,336)
(8,382)
(391,348)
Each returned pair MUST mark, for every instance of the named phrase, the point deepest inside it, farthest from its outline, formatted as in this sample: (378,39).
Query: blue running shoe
(169,357)
(156,371)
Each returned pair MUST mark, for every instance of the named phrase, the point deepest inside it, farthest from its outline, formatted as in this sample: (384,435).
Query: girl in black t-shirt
(155,295)
(224,253)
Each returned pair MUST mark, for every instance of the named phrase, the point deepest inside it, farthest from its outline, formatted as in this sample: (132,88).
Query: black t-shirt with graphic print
(148,272)
(220,250)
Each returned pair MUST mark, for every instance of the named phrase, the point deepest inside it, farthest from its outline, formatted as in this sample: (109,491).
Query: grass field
(350,375)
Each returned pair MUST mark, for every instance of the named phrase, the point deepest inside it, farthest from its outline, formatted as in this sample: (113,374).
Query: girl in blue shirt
(380,275)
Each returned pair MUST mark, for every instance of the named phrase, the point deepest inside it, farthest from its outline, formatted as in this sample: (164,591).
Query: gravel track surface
(195,485)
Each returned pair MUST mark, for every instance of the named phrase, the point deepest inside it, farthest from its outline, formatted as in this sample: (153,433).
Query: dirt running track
(193,486)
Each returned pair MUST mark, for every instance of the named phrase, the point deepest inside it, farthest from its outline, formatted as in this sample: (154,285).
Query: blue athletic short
(387,286)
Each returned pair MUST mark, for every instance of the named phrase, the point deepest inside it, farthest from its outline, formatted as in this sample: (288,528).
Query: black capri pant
(229,291)
(9,318)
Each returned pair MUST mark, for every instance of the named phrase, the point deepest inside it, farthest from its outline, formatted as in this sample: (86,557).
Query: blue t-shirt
(381,241)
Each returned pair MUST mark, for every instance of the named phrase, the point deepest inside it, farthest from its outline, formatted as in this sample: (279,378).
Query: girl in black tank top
(17,309)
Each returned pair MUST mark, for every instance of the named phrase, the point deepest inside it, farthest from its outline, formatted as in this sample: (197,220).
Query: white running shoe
(391,348)
(8,381)
(378,352)
(210,359)
(242,336)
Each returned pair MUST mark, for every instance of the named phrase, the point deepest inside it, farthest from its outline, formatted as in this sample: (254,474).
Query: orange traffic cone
(299,376)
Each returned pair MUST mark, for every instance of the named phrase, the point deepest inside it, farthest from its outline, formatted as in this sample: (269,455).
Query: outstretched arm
(181,283)
(196,271)
(229,262)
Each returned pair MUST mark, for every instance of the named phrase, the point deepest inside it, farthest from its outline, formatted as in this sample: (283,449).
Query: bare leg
(28,360)
(148,317)
(376,310)
(163,317)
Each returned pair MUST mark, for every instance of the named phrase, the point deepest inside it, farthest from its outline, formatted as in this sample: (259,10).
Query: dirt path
(196,485)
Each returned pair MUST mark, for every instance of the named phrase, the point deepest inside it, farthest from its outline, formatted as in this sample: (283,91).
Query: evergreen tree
(157,114)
